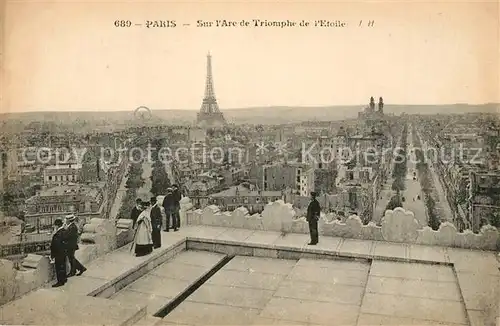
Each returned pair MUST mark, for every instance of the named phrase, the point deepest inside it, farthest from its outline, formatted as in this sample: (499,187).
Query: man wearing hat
(169,206)
(72,246)
(156,218)
(58,252)
(313,212)
(177,207)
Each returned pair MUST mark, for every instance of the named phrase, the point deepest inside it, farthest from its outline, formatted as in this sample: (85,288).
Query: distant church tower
(210,115)
(90,171)
(381,105)
(372,104)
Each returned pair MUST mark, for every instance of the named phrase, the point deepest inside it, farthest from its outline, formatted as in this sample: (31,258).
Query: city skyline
(70,56)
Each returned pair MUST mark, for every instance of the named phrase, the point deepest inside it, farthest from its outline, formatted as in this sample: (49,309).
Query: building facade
(245,195)
(60,174)
(55,202)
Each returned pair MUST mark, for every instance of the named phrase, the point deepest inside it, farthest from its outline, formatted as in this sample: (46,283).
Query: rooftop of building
(70,188)
(204,185)
(245,191)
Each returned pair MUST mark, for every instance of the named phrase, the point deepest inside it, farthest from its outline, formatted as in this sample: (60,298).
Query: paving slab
(480,291)
(45,307)
(414,288)
(357,248)
(149,320)
(152,284)
(153,302)
(263,237)
(164,283)
(428,253)
(321,291)
(247,279)
(81,285)
(198,258)
(313,312)
(416,308)
(482,318)
(232,296)
(235,235)
(196,313)
(202,232)
(327,245)
(171,238)
(336,263)
(381,320)
(329,275)
(261,265)
(390,250)
(107,269)
(177,270)
(165,322)
(125,256)
(417,271)
(292,240)
(481,262)
(261,321)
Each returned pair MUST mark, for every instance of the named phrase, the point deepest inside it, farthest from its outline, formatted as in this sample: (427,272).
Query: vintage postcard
(249,163)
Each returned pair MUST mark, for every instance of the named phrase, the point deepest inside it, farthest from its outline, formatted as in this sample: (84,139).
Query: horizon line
(253,107)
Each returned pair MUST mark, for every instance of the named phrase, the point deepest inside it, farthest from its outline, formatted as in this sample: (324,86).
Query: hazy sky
(68,56)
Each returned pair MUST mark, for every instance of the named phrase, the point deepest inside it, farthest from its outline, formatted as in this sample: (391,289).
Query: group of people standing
(148,220)
(63,246)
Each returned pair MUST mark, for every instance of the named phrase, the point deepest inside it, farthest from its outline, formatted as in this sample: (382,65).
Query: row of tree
(401,164)
(14,195)
(159,177)
(133,183)
(399,172)
(426,183)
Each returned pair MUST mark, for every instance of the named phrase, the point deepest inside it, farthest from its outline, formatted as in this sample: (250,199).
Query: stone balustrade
(99,237)
(398,225)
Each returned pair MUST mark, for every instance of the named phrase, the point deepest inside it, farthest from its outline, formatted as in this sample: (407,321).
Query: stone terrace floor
(387,284)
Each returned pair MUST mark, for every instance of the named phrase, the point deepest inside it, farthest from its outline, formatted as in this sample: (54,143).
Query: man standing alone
(72,245)
(313,212)
(58,253)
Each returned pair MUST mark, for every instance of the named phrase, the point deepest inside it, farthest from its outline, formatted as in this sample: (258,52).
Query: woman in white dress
(143,240)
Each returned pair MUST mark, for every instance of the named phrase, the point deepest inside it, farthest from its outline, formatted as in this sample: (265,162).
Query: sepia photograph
(271,162)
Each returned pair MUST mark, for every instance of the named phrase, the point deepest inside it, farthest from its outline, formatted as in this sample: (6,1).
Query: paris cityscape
(407,179)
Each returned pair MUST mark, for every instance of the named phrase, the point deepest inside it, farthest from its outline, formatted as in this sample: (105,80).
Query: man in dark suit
(72,246)
(156,218)
(169,206)
(313,213)
(136,211)
(58,253)
(177,207)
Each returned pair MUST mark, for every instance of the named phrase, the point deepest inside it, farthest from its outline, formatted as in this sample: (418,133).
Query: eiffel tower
(210,115)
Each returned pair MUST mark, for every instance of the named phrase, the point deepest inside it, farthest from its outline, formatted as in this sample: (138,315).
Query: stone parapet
(99,237)
(125,233)
(100,232)
(398,225)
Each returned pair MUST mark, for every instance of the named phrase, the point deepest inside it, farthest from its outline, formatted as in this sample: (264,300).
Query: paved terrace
(262,278)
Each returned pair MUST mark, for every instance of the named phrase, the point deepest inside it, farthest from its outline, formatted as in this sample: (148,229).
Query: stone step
(68,309)
(166,286)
